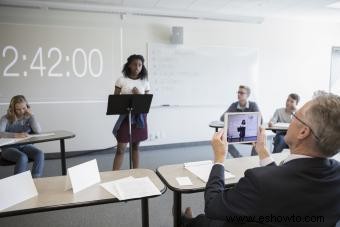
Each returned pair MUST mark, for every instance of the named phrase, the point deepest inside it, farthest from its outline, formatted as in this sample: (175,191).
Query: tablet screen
(242,127)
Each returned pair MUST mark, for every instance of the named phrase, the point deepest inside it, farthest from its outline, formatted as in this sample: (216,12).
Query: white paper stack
(202,170)
(131,188)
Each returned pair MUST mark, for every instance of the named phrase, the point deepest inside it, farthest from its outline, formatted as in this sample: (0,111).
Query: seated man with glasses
(302,191)
(242,105)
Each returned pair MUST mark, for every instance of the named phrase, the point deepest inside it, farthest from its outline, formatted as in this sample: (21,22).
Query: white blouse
(126,85)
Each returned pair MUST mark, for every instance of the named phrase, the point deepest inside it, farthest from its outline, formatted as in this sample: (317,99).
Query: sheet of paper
(111,186)
(16,189)
(6,141)
(41,135)
(137,188)
(281,125)
(82,176)
(183,181)
(202,170)
(198,163)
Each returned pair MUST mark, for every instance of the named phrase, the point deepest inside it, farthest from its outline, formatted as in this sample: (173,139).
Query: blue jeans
(279,143)
(21,156)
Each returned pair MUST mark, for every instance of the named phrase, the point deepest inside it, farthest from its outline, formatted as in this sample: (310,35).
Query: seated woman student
(19,122)
(283,115)
(242,105)
(133,81)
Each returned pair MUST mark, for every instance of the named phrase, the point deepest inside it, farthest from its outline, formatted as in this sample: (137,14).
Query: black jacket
(294,194)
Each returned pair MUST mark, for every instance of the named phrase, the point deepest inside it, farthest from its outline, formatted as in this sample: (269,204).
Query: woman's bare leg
(119,156)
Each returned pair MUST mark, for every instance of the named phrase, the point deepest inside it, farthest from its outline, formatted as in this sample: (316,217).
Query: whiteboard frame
(334,49)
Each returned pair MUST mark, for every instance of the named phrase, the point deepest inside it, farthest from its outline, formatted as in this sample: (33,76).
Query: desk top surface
(236,166)
(52,196)
(58,135)
(216,124)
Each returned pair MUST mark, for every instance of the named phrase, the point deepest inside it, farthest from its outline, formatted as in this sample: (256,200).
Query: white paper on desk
(136,188)
(183,181)
(41,135)
(82,176)
(111,186)
(281,125)
(6,141)
(202,170)
(16,189)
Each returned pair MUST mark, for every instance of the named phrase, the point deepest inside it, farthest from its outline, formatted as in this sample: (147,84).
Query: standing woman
(133,81)
(19,122)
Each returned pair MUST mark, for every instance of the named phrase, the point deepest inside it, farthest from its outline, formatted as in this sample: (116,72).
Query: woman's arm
(35,126)
(117,91)
(4,134)
(3,124)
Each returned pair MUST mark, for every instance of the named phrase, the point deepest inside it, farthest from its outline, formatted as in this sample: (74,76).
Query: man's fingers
(219,135)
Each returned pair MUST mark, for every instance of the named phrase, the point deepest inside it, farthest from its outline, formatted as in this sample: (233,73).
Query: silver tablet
(242,127)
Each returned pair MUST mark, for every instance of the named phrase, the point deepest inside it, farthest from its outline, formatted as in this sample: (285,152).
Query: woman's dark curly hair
(126,70)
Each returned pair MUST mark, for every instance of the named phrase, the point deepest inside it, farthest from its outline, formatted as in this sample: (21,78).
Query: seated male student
(242,105)
(302,191)
(283,115)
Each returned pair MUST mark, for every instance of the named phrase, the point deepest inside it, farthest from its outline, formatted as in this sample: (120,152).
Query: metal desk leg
(145,212)
(177,210)
(216,129)
(62,157)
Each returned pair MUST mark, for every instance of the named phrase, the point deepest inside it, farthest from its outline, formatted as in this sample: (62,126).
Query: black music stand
(129,104)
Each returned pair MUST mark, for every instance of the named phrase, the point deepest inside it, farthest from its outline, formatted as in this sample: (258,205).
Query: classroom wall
(294,56)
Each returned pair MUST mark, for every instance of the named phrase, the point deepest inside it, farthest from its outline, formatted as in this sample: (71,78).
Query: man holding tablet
(302,191)
(242,105)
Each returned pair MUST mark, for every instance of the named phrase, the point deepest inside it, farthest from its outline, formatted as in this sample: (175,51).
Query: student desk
(216,125)
(52,195)
(58,135)
(236,166)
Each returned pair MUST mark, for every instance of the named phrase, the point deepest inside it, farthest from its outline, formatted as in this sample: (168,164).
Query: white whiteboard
(186,75)
(335,71)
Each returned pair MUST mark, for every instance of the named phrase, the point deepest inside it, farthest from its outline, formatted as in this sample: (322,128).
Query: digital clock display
(82,63)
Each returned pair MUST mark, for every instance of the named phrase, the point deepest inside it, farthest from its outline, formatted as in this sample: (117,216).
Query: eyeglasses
(241,93)
(304,123)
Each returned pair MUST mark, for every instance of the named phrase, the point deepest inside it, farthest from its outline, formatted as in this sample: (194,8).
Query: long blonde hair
(11,116)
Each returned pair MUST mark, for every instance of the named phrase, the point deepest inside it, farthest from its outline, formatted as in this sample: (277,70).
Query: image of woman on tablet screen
(242,130)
